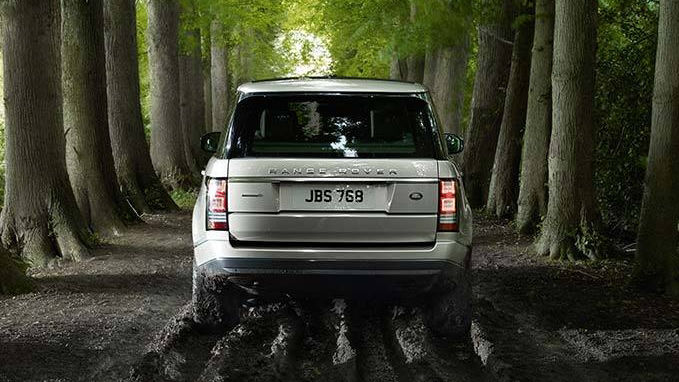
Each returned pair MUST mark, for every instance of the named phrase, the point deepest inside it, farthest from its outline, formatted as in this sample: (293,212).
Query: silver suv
(333,186)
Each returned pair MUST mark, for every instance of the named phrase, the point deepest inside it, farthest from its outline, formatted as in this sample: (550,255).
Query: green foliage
(364,36)
(144,75)
(249,29)
(625,72)
(184,199)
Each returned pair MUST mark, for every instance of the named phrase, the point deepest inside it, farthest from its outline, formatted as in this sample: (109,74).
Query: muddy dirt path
(91,320)
(329,341)
(123,315)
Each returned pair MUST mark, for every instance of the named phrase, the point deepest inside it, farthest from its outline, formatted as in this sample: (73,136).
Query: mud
(312,340)
(537,320)
(91,321)
(124,315)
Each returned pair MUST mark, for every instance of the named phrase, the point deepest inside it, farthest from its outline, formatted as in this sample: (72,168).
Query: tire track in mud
(307,341)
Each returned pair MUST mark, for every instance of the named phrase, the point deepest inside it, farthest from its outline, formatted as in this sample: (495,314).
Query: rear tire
(449,313)
(216,303)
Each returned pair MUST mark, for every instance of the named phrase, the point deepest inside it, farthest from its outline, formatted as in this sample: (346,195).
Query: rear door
(333,169)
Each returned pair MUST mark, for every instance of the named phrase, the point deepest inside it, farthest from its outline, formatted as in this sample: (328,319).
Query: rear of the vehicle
(317,190)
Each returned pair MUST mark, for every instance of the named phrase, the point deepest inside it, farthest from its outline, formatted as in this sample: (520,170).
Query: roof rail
(330,77)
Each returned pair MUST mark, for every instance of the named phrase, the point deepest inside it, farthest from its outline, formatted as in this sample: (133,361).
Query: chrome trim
(317,179)
(353,272)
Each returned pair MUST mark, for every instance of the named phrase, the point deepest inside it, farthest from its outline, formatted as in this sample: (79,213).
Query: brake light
(448,206)
(217,205)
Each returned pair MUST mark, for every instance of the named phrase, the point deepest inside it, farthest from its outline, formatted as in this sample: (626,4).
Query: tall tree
(219,73)
(568,229)
(137,179)
(40,217)
(191,83)
(494,61)
(189,79)
(504,183)
(207,99)
(415,69)
(398,69)
(167,152)
(415,62)
(88,146)
(657,259)
(445,70)
(532,203)
(207,81)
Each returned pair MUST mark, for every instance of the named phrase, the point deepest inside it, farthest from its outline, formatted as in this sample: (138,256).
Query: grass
(184,199)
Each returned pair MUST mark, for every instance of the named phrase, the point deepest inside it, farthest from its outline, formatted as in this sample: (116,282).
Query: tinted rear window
(324,126)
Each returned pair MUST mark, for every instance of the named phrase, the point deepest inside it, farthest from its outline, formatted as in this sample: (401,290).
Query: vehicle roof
(330,85)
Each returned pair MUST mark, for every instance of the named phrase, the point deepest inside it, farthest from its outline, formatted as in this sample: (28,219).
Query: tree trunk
(137,179)
(493,61)
(415,69)
(13,279)
(219,71)
(444,75)
(657,260)
(415,63)
(167,152)
(198,102)
(399,69)
(207,97)
(504,183)
(207,81)
(189,119)
(40,217)
(244,72)
(532,204)
(571,212)
(88,146)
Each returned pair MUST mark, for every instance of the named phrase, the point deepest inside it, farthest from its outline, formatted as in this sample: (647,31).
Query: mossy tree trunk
(89,159)
(138,181)
(493,61)
(167,152)
(40,218)
(205,43)
(532,203)
(504,183)
(415,62)
(13,279)
(219,72)
(207,97)
(191,98)
(398,69)
(569,230)
(657,259)
(444,75)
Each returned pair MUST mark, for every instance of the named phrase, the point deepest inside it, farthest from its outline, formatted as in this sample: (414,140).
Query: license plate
(345,197)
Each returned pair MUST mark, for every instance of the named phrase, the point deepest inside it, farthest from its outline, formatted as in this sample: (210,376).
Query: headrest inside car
(281,125)
(387,126)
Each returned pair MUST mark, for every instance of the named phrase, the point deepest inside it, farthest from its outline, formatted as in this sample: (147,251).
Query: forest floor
(123,314)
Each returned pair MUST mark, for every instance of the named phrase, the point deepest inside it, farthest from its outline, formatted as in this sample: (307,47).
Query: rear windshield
(332,126)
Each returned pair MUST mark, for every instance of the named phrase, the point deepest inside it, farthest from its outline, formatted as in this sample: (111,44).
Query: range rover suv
(332,186)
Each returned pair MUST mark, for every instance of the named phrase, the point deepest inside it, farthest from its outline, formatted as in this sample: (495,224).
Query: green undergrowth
(184,199)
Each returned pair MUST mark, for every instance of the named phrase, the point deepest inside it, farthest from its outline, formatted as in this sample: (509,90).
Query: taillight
(217,205)
(448,206)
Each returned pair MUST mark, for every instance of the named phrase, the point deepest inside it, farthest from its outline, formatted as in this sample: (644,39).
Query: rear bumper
(354,269)
(220,249)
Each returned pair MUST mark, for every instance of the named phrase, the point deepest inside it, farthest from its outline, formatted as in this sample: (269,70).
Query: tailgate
(333,200)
